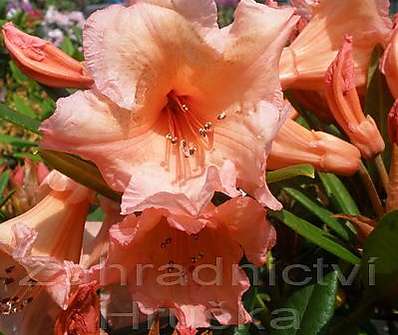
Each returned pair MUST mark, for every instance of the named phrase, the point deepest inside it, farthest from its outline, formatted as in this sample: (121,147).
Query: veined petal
(154,44)
(256,235)
(42,61)
(159,275)
(305,61)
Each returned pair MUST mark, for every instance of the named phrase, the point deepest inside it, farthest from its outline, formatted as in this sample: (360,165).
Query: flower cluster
(173,111)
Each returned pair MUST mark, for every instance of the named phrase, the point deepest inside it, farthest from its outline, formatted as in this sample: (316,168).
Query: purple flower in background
(56,25)
(14,6)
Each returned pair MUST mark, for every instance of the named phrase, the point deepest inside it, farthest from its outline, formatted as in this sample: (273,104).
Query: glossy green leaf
(315,235)
(4,178)
(16,141)
(339,194)
(17,74)
(4,200)
(19,119)
(323,214)
(81,171)
(242,330)
(290,172)
(313,306)
(380,251)
(97,215)
(22,107)
(67,46)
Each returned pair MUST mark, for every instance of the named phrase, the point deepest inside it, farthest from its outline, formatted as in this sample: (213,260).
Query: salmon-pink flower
(38,248)
(295,144)
(42,61)
(389,62)
(178,262)
(181,107)
(345,105)
(304,63)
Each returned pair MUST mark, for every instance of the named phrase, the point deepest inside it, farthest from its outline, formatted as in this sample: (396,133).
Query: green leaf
(27,155)
(67,46)
(4,178)
(81,171)
(97,215)
(22,107)
(339,194)
(19,119)
(313,305)
(322,213)
(315,235)
(4,200)
(17,74)
(242,330)
(16,141)
(305,170)
(380,251)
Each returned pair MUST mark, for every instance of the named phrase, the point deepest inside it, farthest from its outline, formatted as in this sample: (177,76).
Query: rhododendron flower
(42,61)
(345,105)
(304,62)
(158,122)
(37,249)
(389,62)
(295,144)
(178,262)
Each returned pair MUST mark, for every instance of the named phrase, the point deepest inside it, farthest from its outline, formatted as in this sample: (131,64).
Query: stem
(381,169)
(370,187)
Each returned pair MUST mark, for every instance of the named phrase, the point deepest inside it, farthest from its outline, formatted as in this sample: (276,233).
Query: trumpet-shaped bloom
(181,108)
(345,105)
(178,262)
(42,61)
(304,63)
(37,249)
(295,144)
(389,64)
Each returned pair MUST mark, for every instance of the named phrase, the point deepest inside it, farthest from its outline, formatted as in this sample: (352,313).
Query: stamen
(192,134)
(221,116)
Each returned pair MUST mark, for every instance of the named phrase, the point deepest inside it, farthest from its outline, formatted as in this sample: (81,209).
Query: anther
(208,125)
(221,116)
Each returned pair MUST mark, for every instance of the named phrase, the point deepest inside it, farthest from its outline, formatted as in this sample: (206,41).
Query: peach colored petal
(256,235)
(170,129)
(305,61)
(188,199)
(38,247)
(155,241)
(42,61)
(203,14)
(34,320)
(345,105)
(388,63)
(295,144)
